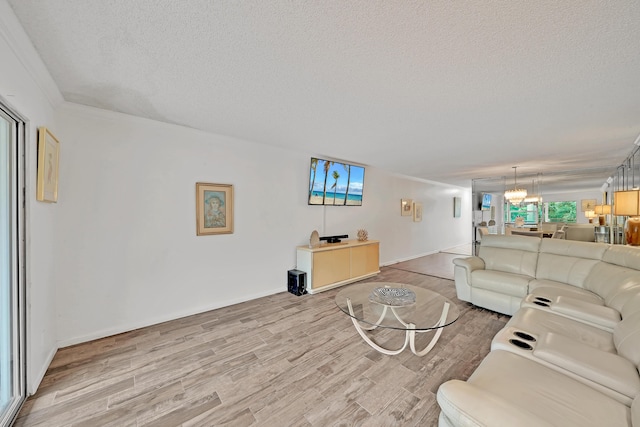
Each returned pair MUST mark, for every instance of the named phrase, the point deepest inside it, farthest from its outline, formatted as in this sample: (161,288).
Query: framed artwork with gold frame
(406,207)
(214,208)
(588,204)
(48,163)
(417,212)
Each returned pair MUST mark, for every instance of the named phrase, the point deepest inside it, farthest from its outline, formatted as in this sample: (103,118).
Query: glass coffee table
(407,308)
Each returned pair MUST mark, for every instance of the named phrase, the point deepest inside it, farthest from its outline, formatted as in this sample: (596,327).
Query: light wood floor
(281,360)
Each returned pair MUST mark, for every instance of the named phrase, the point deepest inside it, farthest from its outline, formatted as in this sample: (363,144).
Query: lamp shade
(602,211)
(626,203)
(590,215)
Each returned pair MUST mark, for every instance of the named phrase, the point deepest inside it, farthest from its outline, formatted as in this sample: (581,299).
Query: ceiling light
(517,195)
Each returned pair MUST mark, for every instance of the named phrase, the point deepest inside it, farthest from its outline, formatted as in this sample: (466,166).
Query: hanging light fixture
(533,198)
(517,195)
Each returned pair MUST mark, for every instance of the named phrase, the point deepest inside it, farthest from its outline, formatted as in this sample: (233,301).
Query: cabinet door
(364,260)
(330,267)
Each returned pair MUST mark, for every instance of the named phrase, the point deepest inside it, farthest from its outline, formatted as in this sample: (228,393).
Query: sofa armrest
(591,313)
(467,405)
(469,264)
(604,368)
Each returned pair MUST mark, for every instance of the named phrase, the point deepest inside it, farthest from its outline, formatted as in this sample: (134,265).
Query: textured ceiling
(441,90)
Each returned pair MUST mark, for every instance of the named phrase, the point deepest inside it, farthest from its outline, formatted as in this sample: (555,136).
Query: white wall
(21,86)
(119,249)
(128,254)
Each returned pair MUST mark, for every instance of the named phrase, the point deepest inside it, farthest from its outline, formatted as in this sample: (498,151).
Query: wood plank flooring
(281,360)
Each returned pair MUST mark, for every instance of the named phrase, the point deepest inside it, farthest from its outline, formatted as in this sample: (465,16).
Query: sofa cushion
(568,262)
(575,249)
(581,232)
(626,337)
(610,281)
(510,254)
(632,302)
(624,256)
(501,282)
(507,389)
(463,404)
(607,369)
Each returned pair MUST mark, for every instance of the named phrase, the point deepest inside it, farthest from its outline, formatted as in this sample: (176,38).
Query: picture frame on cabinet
(214,208)
(417,212)
(406,207)
(48,166)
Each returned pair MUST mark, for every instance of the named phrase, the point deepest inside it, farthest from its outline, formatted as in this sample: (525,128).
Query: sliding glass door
(12,354)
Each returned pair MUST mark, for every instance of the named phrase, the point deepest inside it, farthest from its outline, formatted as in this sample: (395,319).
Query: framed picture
(588,204)
(48,155)
(214,208)
(406,207)
(456,207)
(417,212)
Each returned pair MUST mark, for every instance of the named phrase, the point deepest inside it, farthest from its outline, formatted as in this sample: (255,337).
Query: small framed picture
(48,154)
(214,208)
(457,202)
(406,207)
(588,204)
(417,212)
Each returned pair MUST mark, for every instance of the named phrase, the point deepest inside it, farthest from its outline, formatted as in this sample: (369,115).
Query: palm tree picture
(327,166)
(346,187)
(346,193)
(335,175)
(314,165)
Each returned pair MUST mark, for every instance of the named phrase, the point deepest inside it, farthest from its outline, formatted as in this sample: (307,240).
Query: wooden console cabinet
(332,265)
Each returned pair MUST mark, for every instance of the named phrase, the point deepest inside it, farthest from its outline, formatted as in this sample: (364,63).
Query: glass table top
(395,305)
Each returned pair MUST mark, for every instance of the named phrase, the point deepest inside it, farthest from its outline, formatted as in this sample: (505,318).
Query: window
(561,212)
(528,211)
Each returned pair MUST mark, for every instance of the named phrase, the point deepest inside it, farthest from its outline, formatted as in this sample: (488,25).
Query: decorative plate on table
(396,297)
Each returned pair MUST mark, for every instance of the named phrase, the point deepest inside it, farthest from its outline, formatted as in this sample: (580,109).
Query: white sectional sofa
(570,354)
(508,268)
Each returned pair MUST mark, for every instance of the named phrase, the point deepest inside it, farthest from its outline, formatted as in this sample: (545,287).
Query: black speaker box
(296,282)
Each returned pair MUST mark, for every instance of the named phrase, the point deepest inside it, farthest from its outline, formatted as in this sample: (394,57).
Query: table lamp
(627,203)
(590,215)
(602,211)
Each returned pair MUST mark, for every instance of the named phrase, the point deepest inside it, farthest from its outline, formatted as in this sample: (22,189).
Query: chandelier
(517,195)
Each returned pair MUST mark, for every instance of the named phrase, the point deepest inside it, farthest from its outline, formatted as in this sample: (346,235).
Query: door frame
(18,255)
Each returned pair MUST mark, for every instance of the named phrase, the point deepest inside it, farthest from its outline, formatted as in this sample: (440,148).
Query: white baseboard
(165,318)
(388,263)
(34,383)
